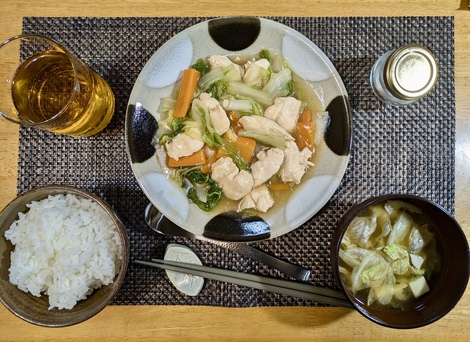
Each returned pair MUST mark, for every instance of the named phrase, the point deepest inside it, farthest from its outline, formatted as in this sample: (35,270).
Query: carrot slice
(206,167)
(186,92)
(306,116)
(234,116)
(197,158)
(305,135)
(220,153)
(245,146)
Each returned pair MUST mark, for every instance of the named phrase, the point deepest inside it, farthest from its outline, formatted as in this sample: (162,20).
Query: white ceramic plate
(225,36)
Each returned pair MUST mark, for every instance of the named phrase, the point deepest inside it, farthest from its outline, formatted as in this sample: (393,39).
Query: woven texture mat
(395,149)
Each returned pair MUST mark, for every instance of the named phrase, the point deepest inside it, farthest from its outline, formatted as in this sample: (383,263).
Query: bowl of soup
(402,260)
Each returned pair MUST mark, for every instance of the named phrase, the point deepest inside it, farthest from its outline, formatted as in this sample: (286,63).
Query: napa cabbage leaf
(360,230)
(400,229)
(400,259)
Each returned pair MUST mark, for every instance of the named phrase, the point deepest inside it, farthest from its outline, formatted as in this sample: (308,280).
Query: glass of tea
(45,86)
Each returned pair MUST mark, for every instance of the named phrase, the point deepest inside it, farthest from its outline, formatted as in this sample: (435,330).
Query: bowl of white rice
(63,255)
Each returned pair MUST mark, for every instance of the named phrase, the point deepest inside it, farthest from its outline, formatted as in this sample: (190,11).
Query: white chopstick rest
(188,284)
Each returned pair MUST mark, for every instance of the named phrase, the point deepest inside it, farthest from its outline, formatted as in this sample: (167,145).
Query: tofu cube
(419,286)
(416,261)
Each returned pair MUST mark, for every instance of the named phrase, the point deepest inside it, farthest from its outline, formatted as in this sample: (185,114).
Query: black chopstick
(291,288)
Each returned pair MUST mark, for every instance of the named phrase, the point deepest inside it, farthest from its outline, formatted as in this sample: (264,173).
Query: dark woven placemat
(395,149)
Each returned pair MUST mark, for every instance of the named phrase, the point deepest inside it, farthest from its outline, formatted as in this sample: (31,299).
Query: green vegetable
(353,256)
(400,229)
(177,126)
(419,238)
(265,54)
(196,179)
(240,105)
(200,113)
(256,75)
(218,89)
(395,205)
(264,139)
(201,66)
(383,294)
(383,226)
(361,229)
(384,250)
(240,89)
(249,95)
(211,77)
(277,62)
(402,291)
(357,283)
(167,104)
(245,106)
(256,109)
(377,274)
(280,84)
(232,152)
(215,81)
(400,258)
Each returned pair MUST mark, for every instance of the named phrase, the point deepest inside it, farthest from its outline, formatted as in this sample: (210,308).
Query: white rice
(65,247)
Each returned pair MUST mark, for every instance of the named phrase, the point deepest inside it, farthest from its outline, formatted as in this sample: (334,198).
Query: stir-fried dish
(236,128)
(388,254)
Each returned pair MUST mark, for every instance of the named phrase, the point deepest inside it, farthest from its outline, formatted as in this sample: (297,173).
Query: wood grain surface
(169,323)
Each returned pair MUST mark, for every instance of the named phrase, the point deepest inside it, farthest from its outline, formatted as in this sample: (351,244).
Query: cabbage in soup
(388,254)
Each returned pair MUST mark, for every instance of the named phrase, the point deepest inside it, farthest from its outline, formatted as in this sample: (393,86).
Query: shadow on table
(311,316)
(464,5)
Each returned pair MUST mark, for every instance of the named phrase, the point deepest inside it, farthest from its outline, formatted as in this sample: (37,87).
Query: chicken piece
(268,164)
(285,111)
(185,144)
(218,61)
(219,118)
(235,183)
(261,125)
(296,163)
(259,198)
(256,72)
(262,63)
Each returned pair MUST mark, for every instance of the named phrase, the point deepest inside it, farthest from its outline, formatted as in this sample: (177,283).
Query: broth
(415,243)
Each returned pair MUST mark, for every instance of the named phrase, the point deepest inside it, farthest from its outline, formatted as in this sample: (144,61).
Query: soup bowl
(447,282)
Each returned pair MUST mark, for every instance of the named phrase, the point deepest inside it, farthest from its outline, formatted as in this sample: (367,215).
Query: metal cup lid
(410,72)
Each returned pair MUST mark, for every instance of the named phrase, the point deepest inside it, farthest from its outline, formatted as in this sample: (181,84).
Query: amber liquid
(46,94)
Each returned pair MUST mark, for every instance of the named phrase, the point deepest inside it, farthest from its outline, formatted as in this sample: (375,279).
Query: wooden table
(274,323)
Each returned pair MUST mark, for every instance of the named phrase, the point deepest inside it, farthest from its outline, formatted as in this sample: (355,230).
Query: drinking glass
(45,86)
